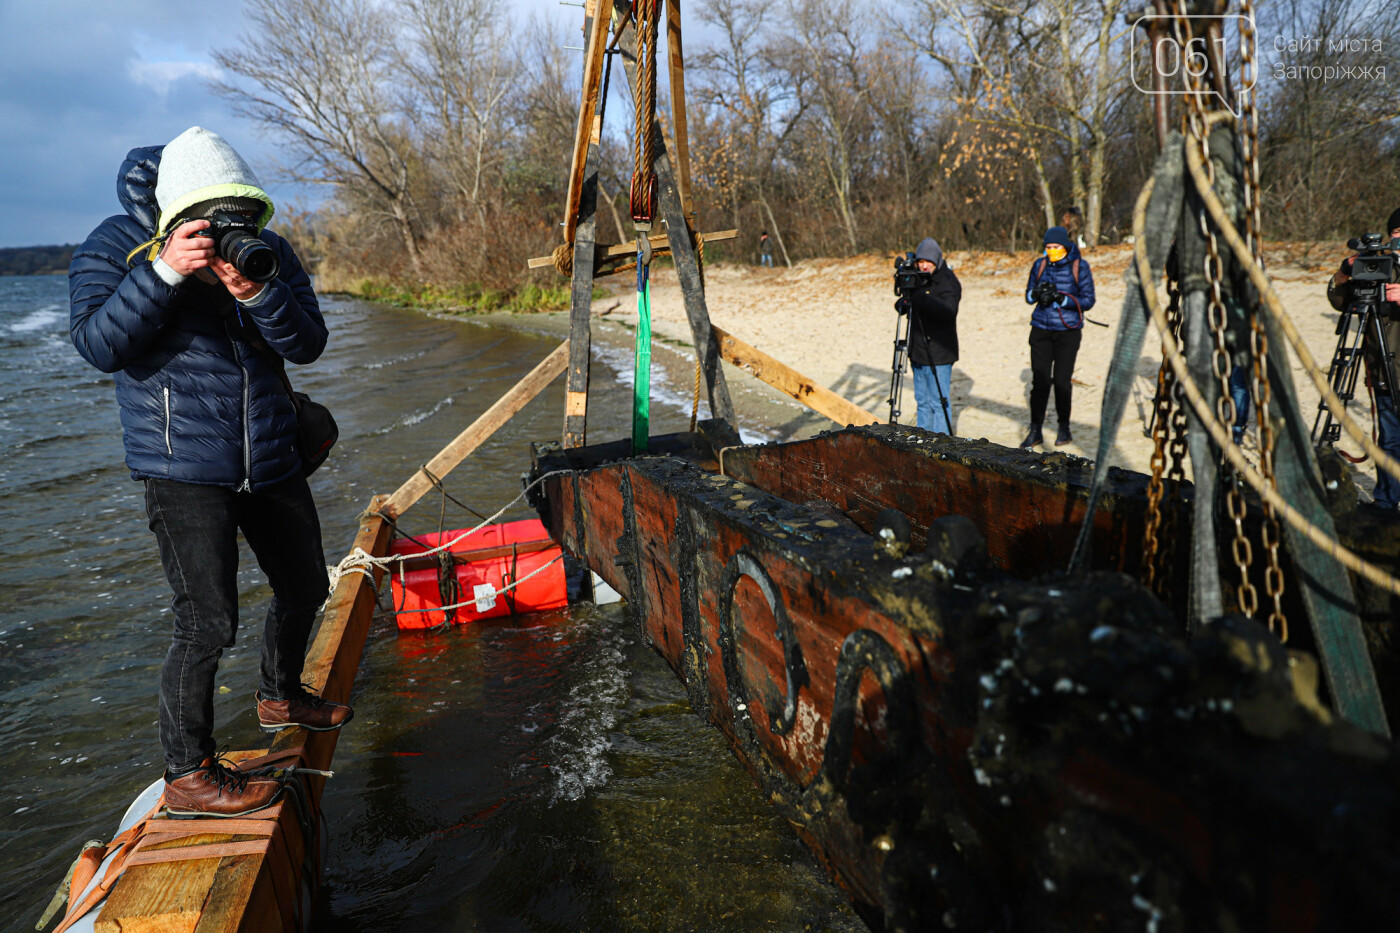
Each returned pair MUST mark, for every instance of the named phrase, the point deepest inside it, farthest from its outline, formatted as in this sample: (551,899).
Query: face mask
(1055,252)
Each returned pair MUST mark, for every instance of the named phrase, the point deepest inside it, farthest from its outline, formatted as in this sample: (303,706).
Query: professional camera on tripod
(908,278)
(1361,330)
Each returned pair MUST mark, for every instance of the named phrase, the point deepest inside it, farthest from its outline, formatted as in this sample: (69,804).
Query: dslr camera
(907,277)
(1373,268)
(1045,293)
(236,242)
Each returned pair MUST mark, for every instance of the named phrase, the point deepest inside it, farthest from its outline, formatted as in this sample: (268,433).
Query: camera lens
(255,259)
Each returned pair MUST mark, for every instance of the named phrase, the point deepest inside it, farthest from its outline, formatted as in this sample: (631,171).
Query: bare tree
(1052,70)
(463,71)
(759,110)
(832,71)
(319,75)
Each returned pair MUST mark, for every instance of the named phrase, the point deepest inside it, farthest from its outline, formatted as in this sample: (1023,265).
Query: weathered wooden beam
(676,56)
(660,245)
(682,250)
(789,381)
(589,126)
(581,230)
(478,431)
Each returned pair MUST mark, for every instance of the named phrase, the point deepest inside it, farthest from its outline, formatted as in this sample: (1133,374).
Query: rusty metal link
(1247,598)
(1260,390)
(1249,118)
(1168,439)
(1153,520)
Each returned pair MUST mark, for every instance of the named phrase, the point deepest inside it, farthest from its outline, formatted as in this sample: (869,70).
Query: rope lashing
(563,257)
(643,196)
(362,562)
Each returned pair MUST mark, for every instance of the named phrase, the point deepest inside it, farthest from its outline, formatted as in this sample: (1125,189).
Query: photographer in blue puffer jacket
(1061,287)
(195,349)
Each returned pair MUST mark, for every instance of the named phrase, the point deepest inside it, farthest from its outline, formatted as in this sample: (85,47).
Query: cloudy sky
(84,81)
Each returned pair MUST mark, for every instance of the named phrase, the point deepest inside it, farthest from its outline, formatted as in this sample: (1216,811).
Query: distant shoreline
(36,260)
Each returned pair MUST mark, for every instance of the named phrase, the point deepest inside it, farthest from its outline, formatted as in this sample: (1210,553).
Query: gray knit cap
(199,166)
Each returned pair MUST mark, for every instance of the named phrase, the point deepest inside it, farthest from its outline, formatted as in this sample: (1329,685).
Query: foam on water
(42,319)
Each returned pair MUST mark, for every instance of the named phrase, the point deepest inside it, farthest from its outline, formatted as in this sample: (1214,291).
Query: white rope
(361,561)
(495,592)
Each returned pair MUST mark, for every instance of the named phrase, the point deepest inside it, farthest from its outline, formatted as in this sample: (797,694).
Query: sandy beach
(833,320)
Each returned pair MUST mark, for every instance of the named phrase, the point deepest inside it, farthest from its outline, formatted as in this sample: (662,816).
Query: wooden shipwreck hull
(966,747)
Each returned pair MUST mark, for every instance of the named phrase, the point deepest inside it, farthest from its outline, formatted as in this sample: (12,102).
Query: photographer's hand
(1392,293)
(238,286)
(185,252)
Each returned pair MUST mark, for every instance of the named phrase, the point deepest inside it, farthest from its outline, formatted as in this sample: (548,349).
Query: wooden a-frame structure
(676,210)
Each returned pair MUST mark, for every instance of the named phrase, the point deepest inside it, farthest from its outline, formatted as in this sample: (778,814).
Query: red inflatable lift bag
(486,562)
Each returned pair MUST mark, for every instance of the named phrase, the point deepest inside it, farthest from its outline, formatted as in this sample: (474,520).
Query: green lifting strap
(641,382)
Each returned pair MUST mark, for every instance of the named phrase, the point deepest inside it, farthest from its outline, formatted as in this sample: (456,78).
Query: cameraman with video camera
(194,306)
(1379,345)
(932,304)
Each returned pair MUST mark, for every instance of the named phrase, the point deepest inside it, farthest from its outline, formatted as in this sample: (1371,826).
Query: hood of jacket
(136,186)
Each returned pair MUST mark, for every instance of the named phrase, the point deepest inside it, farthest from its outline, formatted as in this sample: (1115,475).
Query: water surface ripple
(538,774)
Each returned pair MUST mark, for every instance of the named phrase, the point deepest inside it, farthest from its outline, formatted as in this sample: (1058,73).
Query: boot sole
(278,727)
(205,814)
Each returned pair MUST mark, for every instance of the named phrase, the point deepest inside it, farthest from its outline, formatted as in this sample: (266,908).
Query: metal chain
(1158,527)
(1260,389)
(1176,450)
(1243,553)
(1161,404)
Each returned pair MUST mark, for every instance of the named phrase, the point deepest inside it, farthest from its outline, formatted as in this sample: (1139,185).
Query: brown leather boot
(214,790)
(303,709)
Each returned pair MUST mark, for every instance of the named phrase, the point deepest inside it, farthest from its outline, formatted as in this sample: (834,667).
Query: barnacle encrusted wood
(953,741)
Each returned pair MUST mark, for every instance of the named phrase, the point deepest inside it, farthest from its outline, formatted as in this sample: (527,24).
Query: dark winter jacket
(199,404)
(1067,313)
(933,320)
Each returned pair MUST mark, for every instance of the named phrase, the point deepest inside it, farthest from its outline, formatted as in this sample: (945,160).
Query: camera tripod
(901,348)
(1346,364)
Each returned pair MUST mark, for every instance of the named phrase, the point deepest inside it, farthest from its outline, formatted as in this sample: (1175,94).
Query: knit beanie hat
(1393,222)
(1059,235)
(200,166)
(930,250)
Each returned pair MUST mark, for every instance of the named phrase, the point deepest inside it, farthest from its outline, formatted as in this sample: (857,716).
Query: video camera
(907,277)
(236,242)
(1372,268)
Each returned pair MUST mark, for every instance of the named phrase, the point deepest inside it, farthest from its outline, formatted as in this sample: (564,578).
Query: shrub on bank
(460,299)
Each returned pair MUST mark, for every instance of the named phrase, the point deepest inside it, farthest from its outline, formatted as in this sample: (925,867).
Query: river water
(543,773)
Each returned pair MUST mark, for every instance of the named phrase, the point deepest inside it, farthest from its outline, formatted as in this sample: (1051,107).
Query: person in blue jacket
(210,430)
(1061,287)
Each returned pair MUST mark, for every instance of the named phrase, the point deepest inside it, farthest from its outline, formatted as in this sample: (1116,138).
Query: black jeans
(1052,361)
(197,528)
